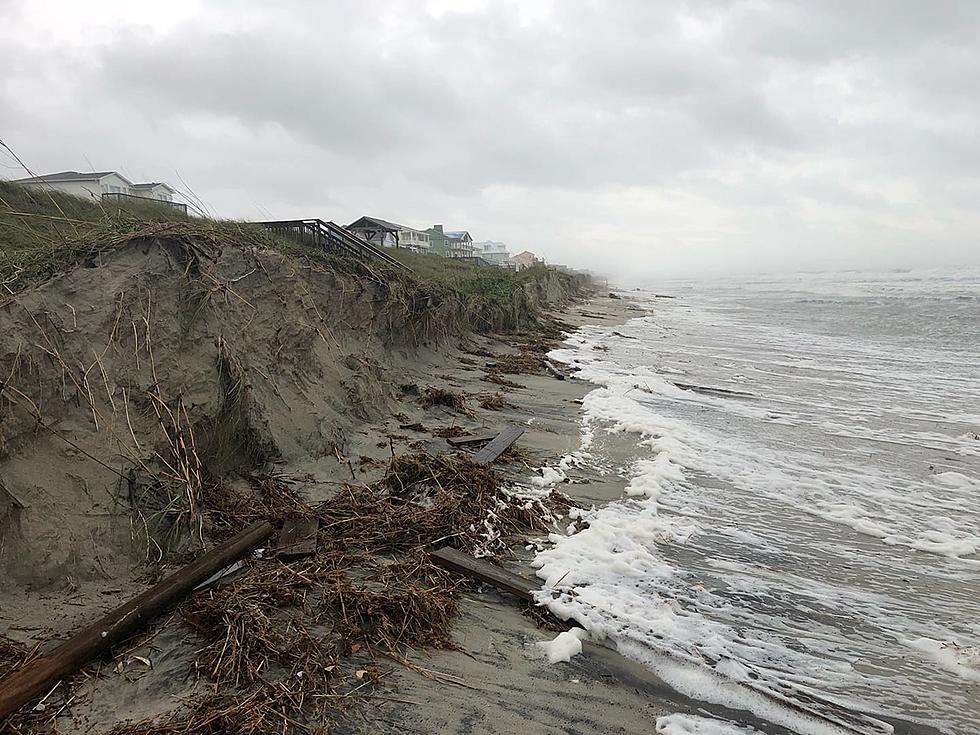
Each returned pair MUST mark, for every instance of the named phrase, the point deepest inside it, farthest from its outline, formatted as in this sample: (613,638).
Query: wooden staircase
(332,238)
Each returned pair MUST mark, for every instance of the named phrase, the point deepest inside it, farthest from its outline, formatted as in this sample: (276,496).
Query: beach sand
(498,680)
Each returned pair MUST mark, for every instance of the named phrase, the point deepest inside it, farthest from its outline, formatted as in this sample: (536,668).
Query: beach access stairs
(332,238)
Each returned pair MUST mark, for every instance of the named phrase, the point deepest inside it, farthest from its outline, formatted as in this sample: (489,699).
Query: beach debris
(713,391)
(433,396)
(297,538)
(485,571)
(614,295)
(523,362)
(507,436)
(38,676)
(449,432)
(493,375)
(554,371)
(221,574)
(462,441)
(493,401)
(624,336)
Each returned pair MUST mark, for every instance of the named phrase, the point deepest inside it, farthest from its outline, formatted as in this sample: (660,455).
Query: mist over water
(810,528)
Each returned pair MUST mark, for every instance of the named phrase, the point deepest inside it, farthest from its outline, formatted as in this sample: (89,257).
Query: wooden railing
(119,197)
(330,237)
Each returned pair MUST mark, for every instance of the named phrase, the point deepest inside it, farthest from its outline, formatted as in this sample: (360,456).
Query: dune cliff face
(133,381)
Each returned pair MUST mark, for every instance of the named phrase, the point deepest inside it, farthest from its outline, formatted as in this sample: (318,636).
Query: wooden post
(39,676)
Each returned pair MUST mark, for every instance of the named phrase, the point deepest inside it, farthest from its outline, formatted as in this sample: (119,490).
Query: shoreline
(498,679)
(501,681)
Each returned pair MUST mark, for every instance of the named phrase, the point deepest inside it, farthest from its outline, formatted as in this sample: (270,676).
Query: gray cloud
(632,136)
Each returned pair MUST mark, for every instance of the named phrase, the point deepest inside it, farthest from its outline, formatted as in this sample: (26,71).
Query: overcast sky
(633,136)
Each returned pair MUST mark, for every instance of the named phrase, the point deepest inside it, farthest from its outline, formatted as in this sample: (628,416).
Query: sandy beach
(64,545)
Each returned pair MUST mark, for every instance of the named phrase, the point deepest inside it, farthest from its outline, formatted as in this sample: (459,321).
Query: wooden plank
(297,538)
(484,571)
(499,444)
(555,372)
(713,391)
(40,675)
(462,441)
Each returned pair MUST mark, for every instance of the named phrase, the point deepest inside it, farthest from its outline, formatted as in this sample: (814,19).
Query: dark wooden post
(39,676)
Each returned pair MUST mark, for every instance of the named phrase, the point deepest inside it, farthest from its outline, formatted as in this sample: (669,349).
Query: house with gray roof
(383,233)
(102,185)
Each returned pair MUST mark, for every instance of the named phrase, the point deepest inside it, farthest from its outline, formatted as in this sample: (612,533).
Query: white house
(494,252)
(390,234)
(524,260)
(99,183)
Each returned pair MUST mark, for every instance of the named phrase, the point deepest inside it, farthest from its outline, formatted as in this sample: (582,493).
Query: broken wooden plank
(297,538)
(462,441)
(713,391)
(221,574)
(555,372)
(498,445)
(484,571)
(40,675)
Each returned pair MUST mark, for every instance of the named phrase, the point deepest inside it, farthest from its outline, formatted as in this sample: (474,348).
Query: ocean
(799,533)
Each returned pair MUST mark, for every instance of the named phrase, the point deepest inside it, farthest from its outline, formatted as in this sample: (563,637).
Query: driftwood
(463,441)
(297,538)
(40,675)
(498,445)
(484,571)
(713,391)
(555,372)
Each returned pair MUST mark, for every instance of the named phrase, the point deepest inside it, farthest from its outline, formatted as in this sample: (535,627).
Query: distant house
(494,252)
(438,240)
(452,244)
(524,260)
(102,185)
(390,234)
(460,244)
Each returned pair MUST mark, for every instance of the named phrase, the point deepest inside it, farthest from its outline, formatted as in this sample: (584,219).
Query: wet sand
(500,681)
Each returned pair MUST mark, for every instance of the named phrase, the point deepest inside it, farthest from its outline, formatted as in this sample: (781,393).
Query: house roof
(377,222)
(69,176)
(458,235)
(153,185)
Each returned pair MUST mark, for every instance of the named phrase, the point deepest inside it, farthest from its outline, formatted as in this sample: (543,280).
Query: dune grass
(46,232)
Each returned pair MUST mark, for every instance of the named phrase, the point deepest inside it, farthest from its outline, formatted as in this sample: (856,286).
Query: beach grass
(46,232)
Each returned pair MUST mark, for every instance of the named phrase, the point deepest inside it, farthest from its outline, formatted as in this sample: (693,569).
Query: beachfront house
(460,244)
(107,185)
(524,260)
(454,244)
(438,241)
(390,234)
(492,252)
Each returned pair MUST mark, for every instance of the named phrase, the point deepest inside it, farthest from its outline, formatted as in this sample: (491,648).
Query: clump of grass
(492,375)
(523,362)
(432,396)
(493,401)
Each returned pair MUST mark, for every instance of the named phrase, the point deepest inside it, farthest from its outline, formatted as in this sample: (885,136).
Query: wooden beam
(462,441)
(498,445)
(297,538)
(40,675)
(484,571)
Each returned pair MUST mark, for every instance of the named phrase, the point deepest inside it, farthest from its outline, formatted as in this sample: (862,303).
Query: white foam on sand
(564,646)
(964,661)
(683,724)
